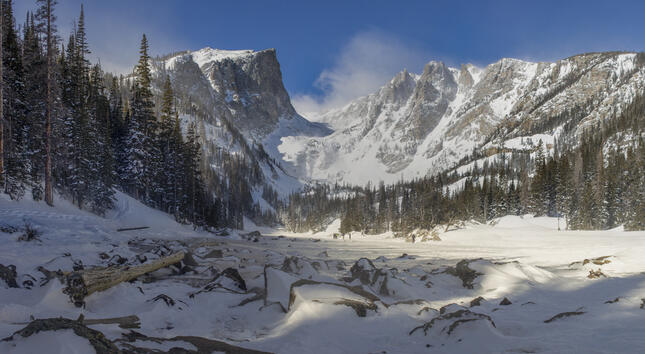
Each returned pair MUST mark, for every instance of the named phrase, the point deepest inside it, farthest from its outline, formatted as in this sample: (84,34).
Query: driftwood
(129,343)
(101,344)
(133,228)
(81,284)
(563,315)
(126,322)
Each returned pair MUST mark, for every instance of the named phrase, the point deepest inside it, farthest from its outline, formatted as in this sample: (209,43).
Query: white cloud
(368,61)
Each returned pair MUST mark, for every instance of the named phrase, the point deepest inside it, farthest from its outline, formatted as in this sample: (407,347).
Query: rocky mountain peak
(465,78)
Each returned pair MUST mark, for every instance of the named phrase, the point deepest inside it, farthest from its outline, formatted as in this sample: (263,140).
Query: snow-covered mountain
(423,124)
(415,125)
(239,103)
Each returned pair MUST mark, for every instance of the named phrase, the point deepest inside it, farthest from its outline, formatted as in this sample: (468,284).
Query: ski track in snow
(524,259)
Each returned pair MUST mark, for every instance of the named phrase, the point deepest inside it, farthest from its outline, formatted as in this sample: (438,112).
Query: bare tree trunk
(49,197)
(85,282)
(2,172)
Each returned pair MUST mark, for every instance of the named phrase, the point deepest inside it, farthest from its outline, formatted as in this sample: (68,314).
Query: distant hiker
(414,238)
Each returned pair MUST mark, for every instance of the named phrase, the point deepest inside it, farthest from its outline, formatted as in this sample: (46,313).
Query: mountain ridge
(508,98)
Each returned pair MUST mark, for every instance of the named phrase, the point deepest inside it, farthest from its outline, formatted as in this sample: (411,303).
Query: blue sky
(331,51)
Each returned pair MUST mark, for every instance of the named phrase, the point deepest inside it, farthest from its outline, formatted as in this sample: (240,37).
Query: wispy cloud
(364,64)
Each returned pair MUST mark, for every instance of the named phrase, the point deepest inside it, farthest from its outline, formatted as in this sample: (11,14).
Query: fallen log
(130,343)
(101,344)
(133,228)
(83,283)
(126,322)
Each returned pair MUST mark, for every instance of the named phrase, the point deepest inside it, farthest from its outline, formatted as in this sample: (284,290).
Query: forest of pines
(68,127)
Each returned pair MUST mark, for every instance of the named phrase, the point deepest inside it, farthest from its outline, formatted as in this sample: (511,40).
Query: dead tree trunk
(82,283)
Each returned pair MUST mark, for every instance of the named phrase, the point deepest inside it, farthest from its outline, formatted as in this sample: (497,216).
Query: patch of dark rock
(564,315)
(300,266)
(365,271)
(477,301)
(410,302)
(425,309)
(642,304)
(234,275)
(49,275)
(612,301)
(97,339)
(406,256)
(77,265)
(189,260)
(8,229)
(505,302)
(528,303)
(359,307)
(9,274)
(28,281)
(260,294)
(463,272)
(596,274)
(455,318)
(450,308)
(597,261)
(214,254)
(230,280)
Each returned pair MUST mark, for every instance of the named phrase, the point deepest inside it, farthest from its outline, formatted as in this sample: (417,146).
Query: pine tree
(15,164)
(33,126)
(141,154)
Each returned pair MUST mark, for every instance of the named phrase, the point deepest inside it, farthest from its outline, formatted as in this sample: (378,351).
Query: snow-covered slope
(424,124)
(369,293)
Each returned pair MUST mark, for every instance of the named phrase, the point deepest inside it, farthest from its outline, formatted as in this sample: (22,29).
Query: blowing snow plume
(364,64)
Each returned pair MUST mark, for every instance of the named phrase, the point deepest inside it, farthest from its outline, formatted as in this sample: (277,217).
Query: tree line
(597,183)
(68,126)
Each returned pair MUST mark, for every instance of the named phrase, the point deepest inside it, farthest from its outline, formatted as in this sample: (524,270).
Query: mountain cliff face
(239,104)
(418,125)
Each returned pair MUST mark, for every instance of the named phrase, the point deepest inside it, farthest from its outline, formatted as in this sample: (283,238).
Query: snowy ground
(311,293)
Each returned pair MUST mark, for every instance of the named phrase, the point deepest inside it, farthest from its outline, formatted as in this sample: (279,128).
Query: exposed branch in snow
(133,228)
(563,315)
(126,322)
(97,339)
